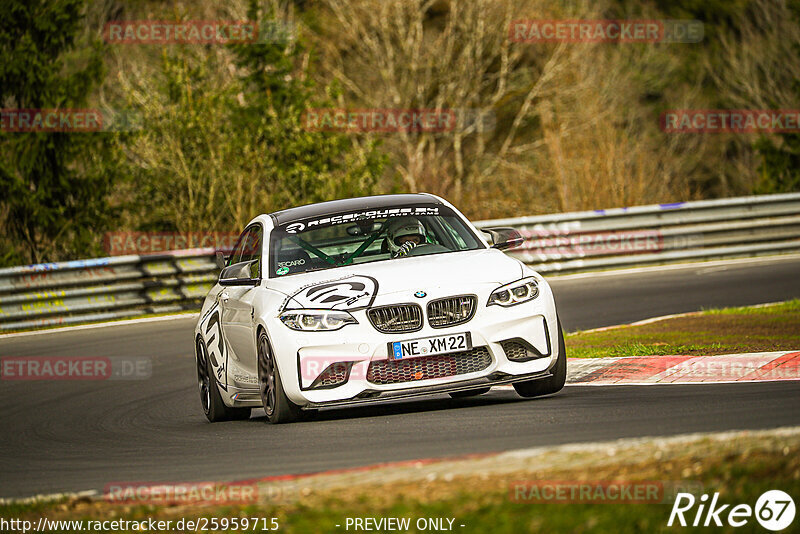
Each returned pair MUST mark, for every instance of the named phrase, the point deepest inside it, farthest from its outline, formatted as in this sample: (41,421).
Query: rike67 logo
(774,510)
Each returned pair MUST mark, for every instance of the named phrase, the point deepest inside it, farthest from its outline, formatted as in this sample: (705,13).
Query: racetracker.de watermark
(196,32)
(75,368)
(336,369)
(731,121)
(465,120)
(599,491)
(564,242)
(734,368)
(69,120)
(606,31)
(556,244)
(181,493)
(122,243)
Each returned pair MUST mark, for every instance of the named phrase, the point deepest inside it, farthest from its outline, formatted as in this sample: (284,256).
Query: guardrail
(126,286)
(72,292)
(656,234)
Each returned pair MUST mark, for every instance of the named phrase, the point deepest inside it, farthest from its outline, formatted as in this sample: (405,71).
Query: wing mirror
(240,274)
(504,238)
(220,259)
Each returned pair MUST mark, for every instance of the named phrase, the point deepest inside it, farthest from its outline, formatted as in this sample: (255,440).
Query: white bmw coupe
(371,299)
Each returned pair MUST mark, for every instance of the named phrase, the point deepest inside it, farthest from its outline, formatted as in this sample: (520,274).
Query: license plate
(428,346)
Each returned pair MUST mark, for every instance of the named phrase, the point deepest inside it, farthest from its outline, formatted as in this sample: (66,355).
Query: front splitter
(373,396)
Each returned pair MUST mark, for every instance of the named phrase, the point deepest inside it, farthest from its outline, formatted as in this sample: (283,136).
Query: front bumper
(495,379)
(302,356)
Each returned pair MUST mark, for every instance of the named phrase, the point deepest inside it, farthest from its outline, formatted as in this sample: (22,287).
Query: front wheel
(213,407)
(551,384)
(277,406)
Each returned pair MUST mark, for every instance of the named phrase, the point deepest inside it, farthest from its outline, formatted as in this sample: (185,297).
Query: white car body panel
(232,316)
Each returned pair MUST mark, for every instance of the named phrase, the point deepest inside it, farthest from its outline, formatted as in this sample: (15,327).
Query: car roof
(352,204)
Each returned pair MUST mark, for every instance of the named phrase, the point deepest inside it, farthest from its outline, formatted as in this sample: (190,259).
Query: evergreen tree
(52,191)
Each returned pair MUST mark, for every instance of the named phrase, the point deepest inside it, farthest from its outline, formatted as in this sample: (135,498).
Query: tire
(469,393)
(552,384)
(277,406)
(210,399)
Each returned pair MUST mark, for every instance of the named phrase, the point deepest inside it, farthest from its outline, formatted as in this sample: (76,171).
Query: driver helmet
(405,230)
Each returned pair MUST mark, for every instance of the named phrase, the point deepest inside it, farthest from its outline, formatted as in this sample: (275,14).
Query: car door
(236,302)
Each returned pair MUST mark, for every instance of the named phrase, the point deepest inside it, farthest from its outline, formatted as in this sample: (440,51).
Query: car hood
(357,286)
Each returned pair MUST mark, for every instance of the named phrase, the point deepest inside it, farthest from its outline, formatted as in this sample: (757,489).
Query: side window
(251,249)
(236,255)
(248,248)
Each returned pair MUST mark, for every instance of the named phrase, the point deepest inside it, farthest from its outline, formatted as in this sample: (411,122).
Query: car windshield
(340,239)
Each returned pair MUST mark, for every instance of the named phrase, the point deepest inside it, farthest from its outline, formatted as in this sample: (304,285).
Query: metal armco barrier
(126,286)
(656,234)
(106,288)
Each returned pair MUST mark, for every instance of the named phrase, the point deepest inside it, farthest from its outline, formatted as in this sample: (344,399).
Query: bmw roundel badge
(420,294)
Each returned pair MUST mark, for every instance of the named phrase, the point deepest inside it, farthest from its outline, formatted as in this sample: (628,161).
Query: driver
(404,234)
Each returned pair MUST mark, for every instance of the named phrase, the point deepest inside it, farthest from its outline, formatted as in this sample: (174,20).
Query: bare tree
(567,130)
(759,63)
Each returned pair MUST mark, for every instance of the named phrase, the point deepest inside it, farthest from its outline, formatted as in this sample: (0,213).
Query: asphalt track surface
(71,436)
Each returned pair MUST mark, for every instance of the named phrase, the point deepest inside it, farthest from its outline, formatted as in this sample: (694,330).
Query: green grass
(483,504)
(641,349)
(717,331)
(790,306)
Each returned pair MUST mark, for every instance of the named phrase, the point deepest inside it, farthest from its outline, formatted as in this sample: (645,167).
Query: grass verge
(717,331)
(478,493)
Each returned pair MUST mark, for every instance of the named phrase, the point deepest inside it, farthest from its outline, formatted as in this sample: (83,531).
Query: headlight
(515,293)
(314,320)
